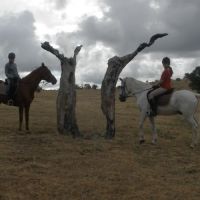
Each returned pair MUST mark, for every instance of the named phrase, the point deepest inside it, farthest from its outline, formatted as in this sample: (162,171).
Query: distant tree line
(87,86)
(194,78)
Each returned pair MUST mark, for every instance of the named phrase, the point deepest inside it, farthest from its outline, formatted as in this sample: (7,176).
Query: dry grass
(47,166)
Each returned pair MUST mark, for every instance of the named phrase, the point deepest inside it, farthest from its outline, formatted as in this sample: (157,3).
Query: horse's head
(47,75)
(122,93)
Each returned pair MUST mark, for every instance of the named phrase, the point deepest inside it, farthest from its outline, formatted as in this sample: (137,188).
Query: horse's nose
(54,81)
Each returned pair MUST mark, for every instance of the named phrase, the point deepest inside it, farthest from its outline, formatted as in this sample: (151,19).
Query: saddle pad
(2,88)
(164,99)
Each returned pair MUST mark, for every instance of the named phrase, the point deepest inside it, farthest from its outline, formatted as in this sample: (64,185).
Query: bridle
(125,91)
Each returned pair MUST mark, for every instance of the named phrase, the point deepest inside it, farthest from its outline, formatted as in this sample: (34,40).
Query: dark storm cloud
(124,25)
(106,31)
(17,35)
(181,19)
(127,23)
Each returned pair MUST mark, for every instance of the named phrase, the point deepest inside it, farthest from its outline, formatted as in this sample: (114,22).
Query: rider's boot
(10,102)
(10,98)
(153,106)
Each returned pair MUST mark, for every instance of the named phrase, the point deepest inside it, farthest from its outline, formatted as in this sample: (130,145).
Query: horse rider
(162,86)
(12,76)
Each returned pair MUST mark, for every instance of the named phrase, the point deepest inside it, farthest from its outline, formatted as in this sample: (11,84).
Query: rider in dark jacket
(12,75)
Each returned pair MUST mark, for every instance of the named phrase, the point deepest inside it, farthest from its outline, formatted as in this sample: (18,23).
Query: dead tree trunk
(66,99)
(115,66)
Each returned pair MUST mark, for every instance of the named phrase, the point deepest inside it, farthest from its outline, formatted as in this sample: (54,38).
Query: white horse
(182,102)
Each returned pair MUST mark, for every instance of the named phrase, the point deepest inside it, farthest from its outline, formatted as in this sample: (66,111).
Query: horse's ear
(42,64)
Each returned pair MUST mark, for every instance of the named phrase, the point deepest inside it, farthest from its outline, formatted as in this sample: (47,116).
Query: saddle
(160,100)
(3,88)
(8,96)
(163,99)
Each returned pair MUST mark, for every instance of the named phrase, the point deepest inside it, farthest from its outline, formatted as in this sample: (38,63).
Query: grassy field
(46,166)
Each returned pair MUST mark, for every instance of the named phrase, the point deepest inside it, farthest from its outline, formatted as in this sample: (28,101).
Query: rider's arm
(162,79)
(16,74)
(157,84)
(8,75)
(165,76)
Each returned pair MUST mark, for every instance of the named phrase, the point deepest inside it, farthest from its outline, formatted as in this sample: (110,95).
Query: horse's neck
(32,79)
(137,86)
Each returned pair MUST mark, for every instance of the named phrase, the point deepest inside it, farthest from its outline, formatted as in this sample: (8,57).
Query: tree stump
(66,99)
(115,66)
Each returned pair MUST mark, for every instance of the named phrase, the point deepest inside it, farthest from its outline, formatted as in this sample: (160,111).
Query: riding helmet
(166,60)
(11,55)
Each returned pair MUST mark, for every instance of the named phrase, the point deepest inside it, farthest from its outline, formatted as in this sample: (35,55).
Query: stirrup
(10,102)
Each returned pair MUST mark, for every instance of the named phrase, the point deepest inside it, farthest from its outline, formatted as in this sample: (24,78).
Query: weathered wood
(115,66)
(66,99)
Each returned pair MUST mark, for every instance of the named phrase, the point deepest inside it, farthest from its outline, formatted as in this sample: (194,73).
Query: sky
(105,28)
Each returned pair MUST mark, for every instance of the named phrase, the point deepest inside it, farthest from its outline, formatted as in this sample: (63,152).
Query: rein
(137,92)
(43,83)
(141,91)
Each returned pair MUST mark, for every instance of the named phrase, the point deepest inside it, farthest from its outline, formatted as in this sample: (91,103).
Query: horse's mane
(136,84)
(32,74)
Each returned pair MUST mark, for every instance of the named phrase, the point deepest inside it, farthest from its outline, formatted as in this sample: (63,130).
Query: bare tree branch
(66,99)
(49,48)
(115,66)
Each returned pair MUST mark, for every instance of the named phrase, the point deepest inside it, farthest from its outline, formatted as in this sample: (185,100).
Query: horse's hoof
(142,141)
(192,146)
(154,142)
(28,131)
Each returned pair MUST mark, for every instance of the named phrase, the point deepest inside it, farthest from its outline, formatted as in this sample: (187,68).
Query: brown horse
(26,87)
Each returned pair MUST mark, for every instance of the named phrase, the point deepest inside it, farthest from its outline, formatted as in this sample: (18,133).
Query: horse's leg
(197,131)
(194,125)
(27,116)
(155,135)
(20,117)
(141,131)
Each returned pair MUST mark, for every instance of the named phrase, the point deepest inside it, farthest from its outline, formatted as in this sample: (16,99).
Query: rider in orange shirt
(163,85)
